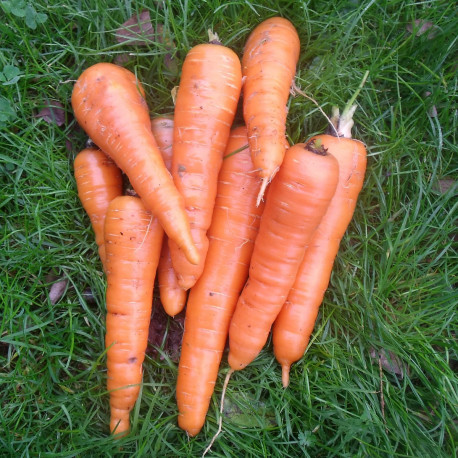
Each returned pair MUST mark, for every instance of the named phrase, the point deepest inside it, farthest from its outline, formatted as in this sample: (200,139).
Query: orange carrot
(98,181)
(297,200)
(205,107)
(212,300)
(269,65)
(295,323)
(109,104)
(133,242)
(173,297)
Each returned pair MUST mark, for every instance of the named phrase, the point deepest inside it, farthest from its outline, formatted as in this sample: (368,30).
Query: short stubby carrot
(212,300)
(269,65)
(294,325)
(99,181)
(173,297)
(205,107)
(109,104)
(133,242)
(296,201)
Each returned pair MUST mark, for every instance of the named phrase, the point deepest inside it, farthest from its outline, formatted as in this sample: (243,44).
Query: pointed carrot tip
(265,182)
(285,375)
(192,255)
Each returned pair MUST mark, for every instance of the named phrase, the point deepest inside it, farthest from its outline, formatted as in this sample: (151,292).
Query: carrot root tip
(285,375)
(265,182)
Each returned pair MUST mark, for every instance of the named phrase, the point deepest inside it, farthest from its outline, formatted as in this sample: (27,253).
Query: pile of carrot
(239,227)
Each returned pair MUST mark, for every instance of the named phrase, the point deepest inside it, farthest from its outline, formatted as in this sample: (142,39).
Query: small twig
(299,91)
(220,421)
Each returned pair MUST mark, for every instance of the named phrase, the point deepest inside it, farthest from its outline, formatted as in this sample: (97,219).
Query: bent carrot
(295,323)
(212,300)
(109,104)
(297,200)
(269,65)
(98,181)
(205,107)
(173,297)
(133,241)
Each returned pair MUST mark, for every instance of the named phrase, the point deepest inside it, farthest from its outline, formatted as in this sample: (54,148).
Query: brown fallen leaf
(162,326)
(57,291)
(137,30)
(445,184)
(389,361)
(53,112)
(421,26)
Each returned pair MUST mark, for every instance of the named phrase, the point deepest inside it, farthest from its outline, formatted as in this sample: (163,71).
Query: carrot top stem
(345,120)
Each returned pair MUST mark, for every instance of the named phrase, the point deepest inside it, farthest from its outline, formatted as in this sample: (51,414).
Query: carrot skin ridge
(173,297)
(212,299)
(109,104)
(296,201)
(205,108)
(294,325)
(133,243)
(98,181)
(269,65)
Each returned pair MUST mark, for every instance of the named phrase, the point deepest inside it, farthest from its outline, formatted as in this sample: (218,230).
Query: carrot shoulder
(205,107)
(269,64)
(297,200)
(295,323)
(173,297)
(212,300)
(133,242)
(98,181)
(109,104)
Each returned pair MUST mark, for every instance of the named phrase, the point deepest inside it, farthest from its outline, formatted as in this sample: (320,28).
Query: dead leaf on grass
(445,184)
(53,113)
(420,26)
(137,30)
(389,361)
(57,291)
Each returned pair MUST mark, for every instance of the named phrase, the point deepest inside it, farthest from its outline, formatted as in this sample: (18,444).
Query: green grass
(394,283)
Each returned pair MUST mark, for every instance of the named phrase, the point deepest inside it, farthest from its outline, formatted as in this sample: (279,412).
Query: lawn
(379,377)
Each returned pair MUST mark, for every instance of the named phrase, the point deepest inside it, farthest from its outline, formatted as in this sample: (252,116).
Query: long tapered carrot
(269,64)
(98,181)
(173,297)
(205,107)
(108,102)
(295,323)
(212,300)
(133,242)
(296,201)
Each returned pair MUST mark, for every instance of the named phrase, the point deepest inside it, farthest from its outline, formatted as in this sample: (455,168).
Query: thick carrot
(212,300)
(297,200)
(98,181)
(173,297)
(205,107)
(133,242)
(295,323)
(109,104)
(269,65)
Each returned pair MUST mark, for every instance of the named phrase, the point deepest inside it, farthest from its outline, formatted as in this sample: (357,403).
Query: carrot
(297,200)
(133,242)
(173,297)
(295,323)
(269,65)
(109,104)
(98,181)
(212,300)
(205,107)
